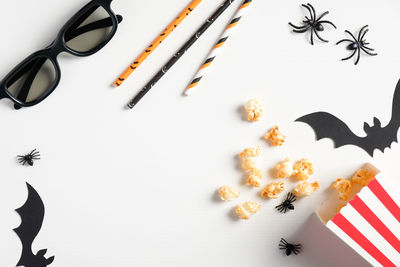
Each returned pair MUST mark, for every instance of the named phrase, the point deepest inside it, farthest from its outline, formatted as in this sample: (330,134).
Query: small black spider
(358,44)
(29,158)
(289,248)
(287,204)
(313,24)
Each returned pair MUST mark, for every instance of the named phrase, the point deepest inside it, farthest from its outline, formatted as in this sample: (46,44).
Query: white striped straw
(214,51)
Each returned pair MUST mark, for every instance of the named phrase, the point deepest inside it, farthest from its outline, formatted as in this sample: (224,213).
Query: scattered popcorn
(228,193)
(303,169)
(250,152)
(344,188)
(284,169)
(248,163)
(305,189)
(246,209)
(273,190)
(254,110)
(275,136)
(254,177)
(363,177)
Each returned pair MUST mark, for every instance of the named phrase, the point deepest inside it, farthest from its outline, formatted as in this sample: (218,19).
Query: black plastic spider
(287,204)
(289,248)
(313,24)
(29,158)
(358,44)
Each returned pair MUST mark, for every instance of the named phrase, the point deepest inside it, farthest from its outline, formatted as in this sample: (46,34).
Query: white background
(137,188)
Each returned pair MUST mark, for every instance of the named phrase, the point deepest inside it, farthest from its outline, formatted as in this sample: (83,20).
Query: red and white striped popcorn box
(370,222)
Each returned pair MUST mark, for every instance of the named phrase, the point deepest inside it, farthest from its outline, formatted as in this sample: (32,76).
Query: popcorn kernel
(246,209)
(228,193)
(275,137)
(273,190)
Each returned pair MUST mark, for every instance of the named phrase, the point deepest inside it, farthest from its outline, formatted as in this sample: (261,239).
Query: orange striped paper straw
(218,46)
(171,27)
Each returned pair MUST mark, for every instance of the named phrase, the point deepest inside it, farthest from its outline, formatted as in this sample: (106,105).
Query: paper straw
(218,46)
(180,53)
(157,42)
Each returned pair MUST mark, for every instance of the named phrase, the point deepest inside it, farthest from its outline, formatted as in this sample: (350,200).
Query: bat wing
(32,215)
(392,128)
(326,125)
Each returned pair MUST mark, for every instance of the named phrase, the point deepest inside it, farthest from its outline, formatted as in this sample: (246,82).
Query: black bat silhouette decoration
(32,215)
(326,125)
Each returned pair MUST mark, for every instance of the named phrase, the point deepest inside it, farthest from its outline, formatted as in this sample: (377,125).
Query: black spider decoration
(358,44)
(29,158)
(287,204)
(289,248)
(313,24)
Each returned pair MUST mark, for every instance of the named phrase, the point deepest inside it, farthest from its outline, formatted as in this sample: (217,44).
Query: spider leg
(297,247)
(313,11)
(346,58)
(319,37)
(301,31)
(312,37)
(368,48)
(369,53)
(327,21)
(298,27)
(351,35)
(309,10)
(362,36)
(344,40)
(284,241)
(358,56)
(361,32)
(322,15)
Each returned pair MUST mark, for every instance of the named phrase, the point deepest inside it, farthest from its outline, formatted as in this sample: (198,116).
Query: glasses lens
(33,80)
(90,30)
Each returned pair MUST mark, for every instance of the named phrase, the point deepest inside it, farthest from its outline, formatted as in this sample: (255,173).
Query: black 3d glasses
(36,77)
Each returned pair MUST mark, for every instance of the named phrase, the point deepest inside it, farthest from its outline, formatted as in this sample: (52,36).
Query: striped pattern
(157,42)
(370,224)
(221,41)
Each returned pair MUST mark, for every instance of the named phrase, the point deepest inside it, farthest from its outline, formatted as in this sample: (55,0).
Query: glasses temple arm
(81,19)
(103,23)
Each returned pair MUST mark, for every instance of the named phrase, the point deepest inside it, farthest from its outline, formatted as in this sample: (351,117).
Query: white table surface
(137,188)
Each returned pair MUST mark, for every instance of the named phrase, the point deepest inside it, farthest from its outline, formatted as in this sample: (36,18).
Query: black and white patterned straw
(180,53)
